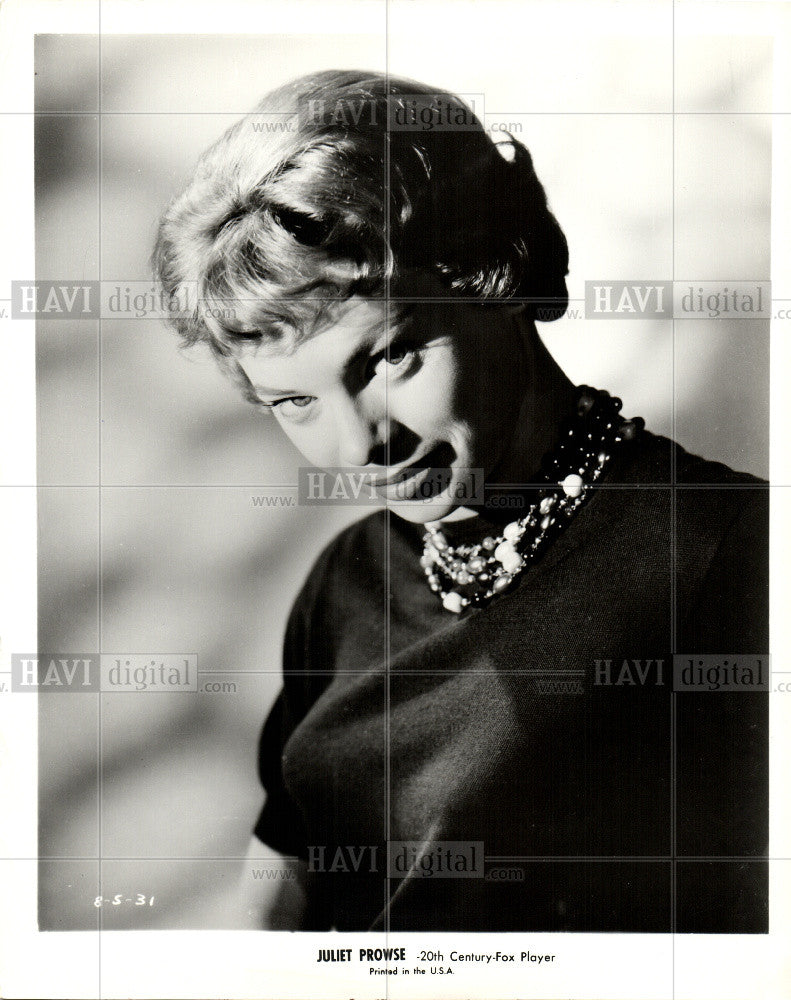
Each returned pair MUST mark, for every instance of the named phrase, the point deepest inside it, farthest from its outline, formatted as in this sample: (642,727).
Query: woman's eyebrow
(252,391)
(399,316)
(268,391)
(401,310)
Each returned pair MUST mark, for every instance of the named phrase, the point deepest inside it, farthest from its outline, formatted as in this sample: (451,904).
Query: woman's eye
(399,356)
(290,405)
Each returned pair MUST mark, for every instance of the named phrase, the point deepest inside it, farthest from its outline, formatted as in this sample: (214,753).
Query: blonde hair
(316,196)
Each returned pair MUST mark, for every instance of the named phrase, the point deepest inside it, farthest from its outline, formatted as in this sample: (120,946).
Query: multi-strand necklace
(465,575)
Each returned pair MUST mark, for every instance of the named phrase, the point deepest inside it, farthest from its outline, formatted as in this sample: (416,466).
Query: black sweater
(600,799)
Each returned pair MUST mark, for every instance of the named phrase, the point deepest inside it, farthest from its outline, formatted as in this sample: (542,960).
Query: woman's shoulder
(708,497)
(360,538)
(710,519)
(661,460)
(359,544)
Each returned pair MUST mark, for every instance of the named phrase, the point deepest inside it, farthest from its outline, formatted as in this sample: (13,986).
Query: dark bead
(632,428)
(616,402)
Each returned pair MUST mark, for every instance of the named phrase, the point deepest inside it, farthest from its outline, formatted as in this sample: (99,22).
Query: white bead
(452,602)
(572,486)
(513,563)
(546,505)
(504,551)
(513,531)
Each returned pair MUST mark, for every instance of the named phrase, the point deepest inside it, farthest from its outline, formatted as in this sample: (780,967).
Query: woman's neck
(548,399)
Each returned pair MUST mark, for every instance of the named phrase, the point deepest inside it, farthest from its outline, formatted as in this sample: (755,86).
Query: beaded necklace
(466,575)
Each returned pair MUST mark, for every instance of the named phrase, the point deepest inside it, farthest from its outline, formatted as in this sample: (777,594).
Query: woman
(478,728)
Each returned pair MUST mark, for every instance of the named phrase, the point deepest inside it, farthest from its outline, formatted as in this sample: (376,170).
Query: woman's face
(414,396)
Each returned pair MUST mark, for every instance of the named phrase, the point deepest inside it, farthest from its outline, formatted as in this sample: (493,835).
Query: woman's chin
(423,509)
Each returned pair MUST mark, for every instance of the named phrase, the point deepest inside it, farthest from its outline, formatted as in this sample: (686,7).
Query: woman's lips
(404,484)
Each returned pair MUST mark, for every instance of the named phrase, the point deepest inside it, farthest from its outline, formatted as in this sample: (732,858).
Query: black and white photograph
(395,499)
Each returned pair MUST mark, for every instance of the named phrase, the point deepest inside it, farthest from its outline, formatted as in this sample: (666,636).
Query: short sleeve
(280,823)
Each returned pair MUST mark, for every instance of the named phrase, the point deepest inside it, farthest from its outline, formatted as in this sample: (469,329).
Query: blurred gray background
(149,539)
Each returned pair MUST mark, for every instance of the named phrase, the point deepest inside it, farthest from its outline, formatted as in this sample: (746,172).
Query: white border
(236,964)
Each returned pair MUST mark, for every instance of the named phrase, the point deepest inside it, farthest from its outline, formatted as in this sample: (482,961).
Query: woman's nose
(363,434)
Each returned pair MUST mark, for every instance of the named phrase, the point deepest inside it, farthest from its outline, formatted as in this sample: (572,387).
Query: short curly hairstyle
(319,195)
